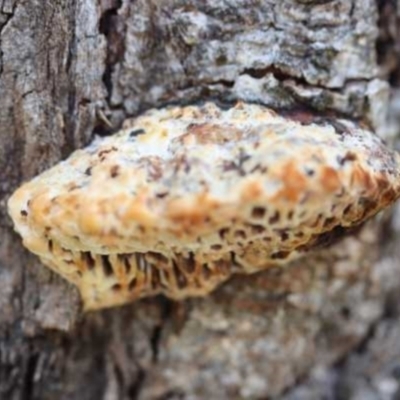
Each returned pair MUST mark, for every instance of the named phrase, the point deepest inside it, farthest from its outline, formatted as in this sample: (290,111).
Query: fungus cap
(184,197)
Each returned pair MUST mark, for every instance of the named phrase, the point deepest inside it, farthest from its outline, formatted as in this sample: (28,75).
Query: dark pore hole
(258,212)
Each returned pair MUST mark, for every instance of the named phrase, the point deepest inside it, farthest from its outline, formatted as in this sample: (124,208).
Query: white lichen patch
(184,197)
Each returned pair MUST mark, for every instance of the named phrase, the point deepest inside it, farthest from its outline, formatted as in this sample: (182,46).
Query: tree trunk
(310,330)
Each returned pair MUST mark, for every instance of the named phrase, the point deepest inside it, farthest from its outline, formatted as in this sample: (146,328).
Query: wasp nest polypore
(184,197)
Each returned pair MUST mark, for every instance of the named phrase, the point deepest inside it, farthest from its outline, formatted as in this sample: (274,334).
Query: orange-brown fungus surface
(184,197)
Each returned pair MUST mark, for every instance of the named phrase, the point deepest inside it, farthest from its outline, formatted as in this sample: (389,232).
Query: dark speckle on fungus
(200,194)
(114,171)
(136,132)
(88,171)
(348,157)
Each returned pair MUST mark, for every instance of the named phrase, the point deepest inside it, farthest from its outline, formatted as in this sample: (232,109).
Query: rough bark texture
(324,327)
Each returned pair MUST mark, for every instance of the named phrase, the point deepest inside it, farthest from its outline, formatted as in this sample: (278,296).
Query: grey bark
(308,331)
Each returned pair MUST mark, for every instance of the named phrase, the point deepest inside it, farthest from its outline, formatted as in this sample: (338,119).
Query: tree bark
(308,331)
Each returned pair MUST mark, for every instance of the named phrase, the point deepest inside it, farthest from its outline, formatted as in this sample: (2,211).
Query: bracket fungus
(184,197)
